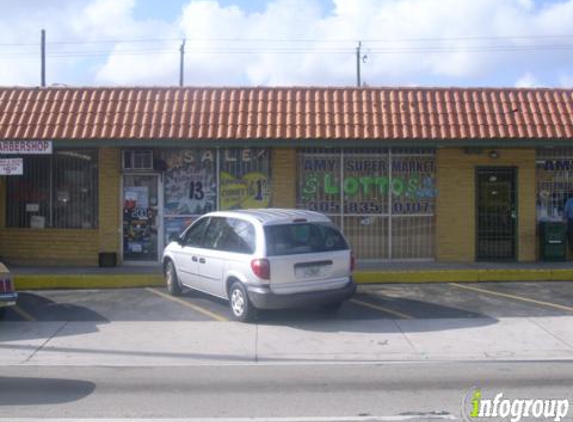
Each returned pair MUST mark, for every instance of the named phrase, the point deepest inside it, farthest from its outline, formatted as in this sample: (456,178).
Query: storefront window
(193,188)
(244,178)
(55,191)
(190,187)
(383,200)
(554,182)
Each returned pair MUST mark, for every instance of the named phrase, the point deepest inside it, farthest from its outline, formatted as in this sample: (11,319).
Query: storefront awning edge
(310,143)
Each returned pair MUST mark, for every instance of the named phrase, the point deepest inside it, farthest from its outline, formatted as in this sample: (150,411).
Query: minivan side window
(213,233)
(231,235)
(240,238)
(194,234)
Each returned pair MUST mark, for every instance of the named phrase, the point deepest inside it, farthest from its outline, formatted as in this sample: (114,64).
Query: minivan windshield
(300,238)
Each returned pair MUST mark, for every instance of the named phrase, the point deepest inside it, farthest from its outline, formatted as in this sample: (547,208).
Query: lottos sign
(25,147)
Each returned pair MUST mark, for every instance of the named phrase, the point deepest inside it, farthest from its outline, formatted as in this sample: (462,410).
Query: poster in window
(136,213)
(190,185)
(245,178)
(174,226)
(554,183)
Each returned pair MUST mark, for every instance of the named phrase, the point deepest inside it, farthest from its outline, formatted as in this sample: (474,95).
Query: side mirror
(175,238)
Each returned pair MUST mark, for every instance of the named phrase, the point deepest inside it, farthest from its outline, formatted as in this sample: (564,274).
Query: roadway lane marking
(514,297)
(395,418)
(196,308)
(23,314)
(381,308)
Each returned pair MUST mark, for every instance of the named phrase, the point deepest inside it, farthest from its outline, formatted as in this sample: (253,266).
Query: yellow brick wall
(283,167)
(455,207)
(69,247)
(109,194)
(49,247)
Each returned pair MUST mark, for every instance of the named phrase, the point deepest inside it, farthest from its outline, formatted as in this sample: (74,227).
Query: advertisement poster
(554,186)
(137,221)
(11,167)
(245,178)
(190,183)
(174,226)
(368,181)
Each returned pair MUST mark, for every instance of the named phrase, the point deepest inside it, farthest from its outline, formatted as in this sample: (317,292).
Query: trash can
(107,259)
(553,237)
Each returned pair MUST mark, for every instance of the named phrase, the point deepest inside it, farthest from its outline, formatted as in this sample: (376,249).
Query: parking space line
(514,297)
(381,308)
(196,308)
(23,314)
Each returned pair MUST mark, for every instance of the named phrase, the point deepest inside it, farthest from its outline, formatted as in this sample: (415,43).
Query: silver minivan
(262,259)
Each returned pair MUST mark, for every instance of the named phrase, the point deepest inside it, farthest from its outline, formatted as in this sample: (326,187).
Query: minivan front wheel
(171,280)
(239,303)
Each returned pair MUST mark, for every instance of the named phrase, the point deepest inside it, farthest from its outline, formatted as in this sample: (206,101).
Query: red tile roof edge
(290,112)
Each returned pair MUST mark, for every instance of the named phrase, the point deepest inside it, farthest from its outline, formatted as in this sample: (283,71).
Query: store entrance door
(140,218)
(496,213)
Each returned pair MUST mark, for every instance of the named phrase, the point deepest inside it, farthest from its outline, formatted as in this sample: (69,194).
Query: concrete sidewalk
(191,343)
(31,278)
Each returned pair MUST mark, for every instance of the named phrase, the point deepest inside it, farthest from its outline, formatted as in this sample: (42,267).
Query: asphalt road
(60,342)
(425,391)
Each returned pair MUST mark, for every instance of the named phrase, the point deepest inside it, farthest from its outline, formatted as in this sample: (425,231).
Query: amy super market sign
(25,147)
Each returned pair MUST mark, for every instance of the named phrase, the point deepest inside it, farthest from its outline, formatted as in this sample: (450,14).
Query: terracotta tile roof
(285,113)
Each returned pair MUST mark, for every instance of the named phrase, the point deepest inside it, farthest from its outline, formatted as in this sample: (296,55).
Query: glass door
(496,213)
(140,202)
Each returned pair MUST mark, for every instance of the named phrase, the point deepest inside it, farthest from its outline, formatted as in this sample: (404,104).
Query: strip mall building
(97,174)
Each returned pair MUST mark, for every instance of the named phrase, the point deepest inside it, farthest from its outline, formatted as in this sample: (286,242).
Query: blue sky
(290,42)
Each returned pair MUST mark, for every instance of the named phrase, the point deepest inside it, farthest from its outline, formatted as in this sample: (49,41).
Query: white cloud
(425,42)
(527,80)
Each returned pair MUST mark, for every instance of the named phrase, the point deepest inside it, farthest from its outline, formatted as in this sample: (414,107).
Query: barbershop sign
(11,167)
(25,147)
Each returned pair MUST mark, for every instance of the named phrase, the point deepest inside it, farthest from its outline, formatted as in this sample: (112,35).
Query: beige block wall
(455,207)
(283,168)
(68,247)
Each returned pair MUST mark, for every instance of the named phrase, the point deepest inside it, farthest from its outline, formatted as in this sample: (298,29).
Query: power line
(294,40)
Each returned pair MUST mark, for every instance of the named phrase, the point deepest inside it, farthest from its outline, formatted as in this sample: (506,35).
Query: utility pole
(43,53)
(181,62)
(358,60)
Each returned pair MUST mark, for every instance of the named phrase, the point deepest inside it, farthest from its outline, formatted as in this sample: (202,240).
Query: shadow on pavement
(30,391)
(368,314)
(52,318)
(47,310)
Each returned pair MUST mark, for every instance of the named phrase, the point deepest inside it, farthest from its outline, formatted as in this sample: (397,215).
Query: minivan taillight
(352,261)
(261,268)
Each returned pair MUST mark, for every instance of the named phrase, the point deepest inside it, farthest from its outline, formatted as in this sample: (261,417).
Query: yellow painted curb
(85,281)
(514,275)
(431,276)
(107,281)
(562,275)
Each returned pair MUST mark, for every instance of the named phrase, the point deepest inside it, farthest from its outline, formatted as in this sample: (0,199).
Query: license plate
(310,272)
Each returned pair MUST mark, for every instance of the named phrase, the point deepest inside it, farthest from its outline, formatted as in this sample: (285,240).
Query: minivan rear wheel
(239,302)
(171,280)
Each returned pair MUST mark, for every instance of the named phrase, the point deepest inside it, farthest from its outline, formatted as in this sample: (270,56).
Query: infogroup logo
(498,408)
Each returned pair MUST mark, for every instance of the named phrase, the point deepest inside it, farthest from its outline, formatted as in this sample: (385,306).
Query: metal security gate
(496,213)
(383,199)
